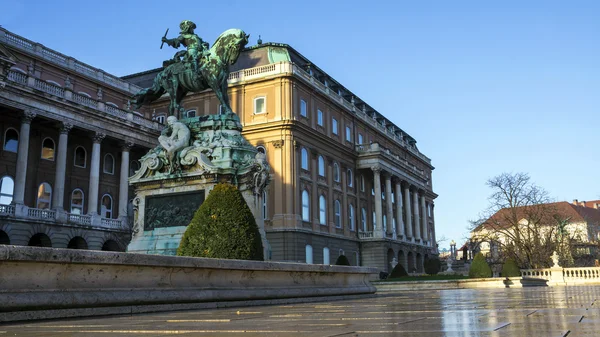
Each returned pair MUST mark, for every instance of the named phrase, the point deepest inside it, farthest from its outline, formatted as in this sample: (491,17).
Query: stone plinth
(169,190)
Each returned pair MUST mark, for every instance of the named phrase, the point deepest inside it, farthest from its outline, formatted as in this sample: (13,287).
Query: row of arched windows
(337,211)
(44,197)
(321,168)
(326,255)
(11,144)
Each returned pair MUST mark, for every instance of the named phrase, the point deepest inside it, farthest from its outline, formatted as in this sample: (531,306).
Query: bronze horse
(179,78)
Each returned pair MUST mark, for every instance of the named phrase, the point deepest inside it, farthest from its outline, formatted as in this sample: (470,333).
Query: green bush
(398,271)
(432,266)
(510,269)
(342,260)
(480,267)
(223,227)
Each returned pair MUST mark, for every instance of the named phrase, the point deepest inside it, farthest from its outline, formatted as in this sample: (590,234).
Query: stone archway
(402,259)
(419,262)
(411,262)
(4,238)
(40,240)
(390,259)
(112,246)
(77,242)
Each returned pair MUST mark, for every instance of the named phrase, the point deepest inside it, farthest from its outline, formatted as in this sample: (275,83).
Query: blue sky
(485,88)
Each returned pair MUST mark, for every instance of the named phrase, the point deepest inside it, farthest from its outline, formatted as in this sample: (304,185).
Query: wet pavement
(548,312)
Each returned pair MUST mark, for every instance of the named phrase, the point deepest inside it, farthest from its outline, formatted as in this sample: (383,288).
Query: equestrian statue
(196,69)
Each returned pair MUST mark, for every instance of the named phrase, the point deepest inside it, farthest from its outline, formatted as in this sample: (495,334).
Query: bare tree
(521,222)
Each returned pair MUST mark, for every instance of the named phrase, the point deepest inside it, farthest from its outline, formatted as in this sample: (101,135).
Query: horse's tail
(149,95)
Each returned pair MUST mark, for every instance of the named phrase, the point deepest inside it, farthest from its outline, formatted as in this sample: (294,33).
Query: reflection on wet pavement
(548,312)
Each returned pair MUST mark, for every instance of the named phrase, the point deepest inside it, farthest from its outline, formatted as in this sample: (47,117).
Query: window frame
(187,113)
(363,219)
(360,138)
(308,249)
(82,201)
(350,177)
(111,210)
(53,149)
(104,170)
(264,110)
(322,210)
(326,253)
(305,206)
(336,172)
(84,157)
(304,159)
(348,133)
(38,200)
(321,166)
(334,126)
(6,195)
(161,119)
(303,108)
(351,216)
(319,117)
(4,142)
(337,214)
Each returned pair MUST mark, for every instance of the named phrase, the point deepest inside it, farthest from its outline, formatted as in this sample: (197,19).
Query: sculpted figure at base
(174,138)
(199,70)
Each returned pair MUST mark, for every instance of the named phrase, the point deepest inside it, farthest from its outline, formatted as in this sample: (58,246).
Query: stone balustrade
(7,210)
(79,219)
(57,58)
(52,282)
(44,214)
(365,235)
(61,92)
(565,276)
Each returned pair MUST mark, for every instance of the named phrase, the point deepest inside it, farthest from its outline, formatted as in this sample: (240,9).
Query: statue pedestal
(168,193)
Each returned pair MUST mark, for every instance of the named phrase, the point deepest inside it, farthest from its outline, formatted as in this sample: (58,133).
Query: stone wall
(95,282)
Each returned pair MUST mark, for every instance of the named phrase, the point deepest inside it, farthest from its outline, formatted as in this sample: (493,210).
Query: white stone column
(408,224)
(416,215)
(424,219)
(433,238)
(390,207)
(377,230)
(22,151)
(94,175)
(123,181)
(399,221)
(58,192)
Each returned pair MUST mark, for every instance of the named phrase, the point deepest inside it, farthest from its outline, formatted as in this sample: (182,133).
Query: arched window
(134,166)
(363,219)
(80,157)
(11,140)
(7,187)
(305,206)
(190,113)
(109,164)
(350,178)
(321,166)
(303,110)
(77,200)
(259,105)
(48,149)
(161,119)
(351,217)
(261,149)
(325,255)
(322,210)
(337,208)
(309,254)
(44,196)
(362,183)
(304,154)
(336,172)
(106,209)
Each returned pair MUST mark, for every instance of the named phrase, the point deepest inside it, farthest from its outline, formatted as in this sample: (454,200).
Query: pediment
(7,56)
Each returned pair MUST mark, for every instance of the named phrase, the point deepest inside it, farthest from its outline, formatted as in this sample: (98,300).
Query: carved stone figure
(174,138)
(261,175)
(212,71)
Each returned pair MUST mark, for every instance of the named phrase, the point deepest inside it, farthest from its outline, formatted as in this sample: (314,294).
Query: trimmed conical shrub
(223,227)
(432,266)
(510,269)
(480,267)
(342,260)
(398,271)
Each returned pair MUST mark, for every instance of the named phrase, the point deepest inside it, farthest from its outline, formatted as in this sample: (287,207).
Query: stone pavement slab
(547,312)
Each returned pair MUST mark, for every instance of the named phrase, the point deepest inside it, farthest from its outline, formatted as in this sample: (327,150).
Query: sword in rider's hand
(164,37)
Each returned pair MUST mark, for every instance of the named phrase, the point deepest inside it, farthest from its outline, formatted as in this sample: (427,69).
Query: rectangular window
(360,138)
(320,117)
(334,126)
(348,134)
(259,105)
(303,111)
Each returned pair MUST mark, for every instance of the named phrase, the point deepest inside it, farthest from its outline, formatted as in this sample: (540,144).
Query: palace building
(345,179)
